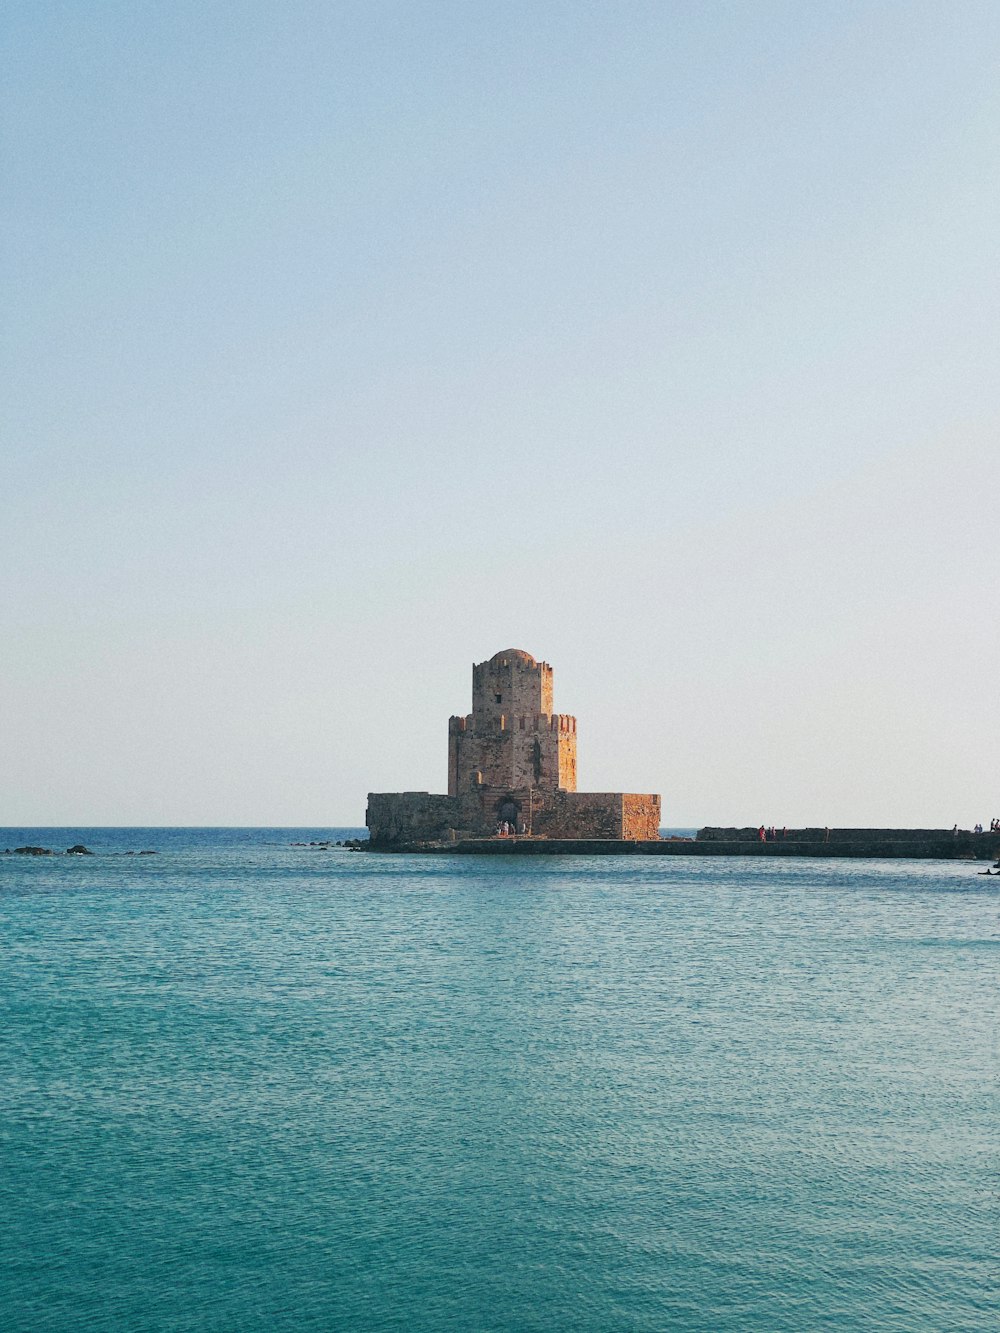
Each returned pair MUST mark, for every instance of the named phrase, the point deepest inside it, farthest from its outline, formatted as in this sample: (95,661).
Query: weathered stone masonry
(511,738)
(511,759)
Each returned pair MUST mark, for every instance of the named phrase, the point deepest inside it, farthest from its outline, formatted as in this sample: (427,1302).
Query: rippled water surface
(253,1086)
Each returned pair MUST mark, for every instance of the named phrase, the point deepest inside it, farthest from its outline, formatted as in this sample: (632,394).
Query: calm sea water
(252,1086)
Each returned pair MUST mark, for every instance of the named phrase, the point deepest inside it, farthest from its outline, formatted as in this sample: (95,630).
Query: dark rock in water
(79,850)
(33,851)
(152,853)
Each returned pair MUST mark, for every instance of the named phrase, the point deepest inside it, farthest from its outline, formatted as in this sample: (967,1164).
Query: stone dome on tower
(513,655)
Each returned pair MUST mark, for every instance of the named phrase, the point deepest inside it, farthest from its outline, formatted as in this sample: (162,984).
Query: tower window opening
(499,698)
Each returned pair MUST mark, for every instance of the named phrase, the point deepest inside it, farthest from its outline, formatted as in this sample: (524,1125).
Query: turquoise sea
(247,1085)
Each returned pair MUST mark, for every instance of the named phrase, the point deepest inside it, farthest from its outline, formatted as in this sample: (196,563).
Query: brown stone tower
(512,738)
(511,764)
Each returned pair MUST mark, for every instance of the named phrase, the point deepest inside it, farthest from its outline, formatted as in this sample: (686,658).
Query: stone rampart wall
(640,816)
(401,817)
(410,816)
(577,814)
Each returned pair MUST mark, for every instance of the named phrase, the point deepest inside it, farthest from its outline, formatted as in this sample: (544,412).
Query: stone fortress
(511,761)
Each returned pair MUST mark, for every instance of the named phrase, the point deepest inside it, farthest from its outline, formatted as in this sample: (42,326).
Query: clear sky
(345,344)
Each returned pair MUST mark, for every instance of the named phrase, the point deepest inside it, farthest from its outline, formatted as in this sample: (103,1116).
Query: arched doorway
(508,811)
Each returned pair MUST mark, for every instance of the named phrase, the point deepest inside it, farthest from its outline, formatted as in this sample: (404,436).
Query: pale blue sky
(346,344)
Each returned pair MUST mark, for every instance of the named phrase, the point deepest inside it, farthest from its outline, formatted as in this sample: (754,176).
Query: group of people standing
(994,827)
(505,829)
(770,834)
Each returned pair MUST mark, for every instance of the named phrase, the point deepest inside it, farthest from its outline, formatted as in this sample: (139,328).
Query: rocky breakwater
(77,849)
(328,844)
(903,844)
(913,844)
